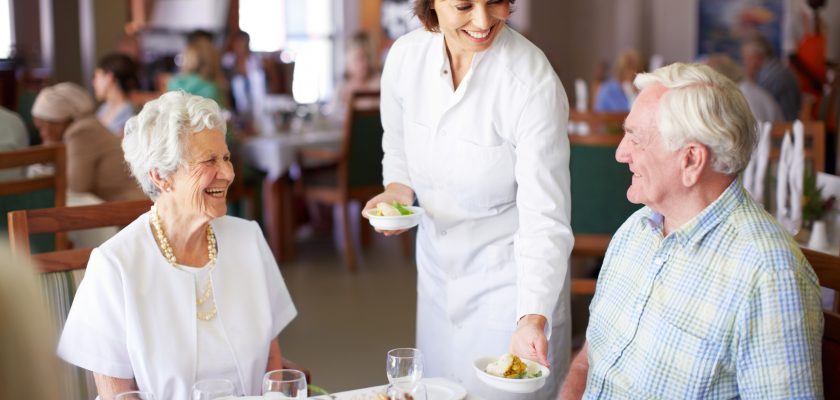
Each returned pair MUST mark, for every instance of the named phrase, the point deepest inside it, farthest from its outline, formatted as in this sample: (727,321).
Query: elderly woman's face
(51,132)
(200,184)
(471,25)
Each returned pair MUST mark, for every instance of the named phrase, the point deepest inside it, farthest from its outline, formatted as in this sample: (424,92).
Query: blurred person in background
(114,79)
(201,71)
(245,73)
(13,136)
(618,93)
(361,73)
(64,113)
(474,120)
(28,366)
(763,106)
(763,68)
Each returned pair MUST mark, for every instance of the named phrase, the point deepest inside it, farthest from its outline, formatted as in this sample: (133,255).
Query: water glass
(418,393)
(404,368)
(135,395)
(284,384)
(212,389)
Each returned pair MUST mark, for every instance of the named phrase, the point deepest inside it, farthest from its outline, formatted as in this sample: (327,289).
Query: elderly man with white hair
(702,294)
(64,113)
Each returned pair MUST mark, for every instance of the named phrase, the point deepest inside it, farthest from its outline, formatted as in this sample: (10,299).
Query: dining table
(275,154)
(436,389)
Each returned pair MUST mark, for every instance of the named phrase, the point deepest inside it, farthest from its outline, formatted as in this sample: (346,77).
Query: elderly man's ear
(695,158)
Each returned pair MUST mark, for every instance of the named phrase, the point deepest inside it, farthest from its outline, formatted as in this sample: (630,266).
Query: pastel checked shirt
(724,307)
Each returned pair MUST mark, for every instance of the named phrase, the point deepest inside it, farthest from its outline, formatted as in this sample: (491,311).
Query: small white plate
(511,385)
(397,222)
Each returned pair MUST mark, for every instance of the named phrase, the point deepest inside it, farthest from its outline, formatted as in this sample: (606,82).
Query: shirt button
(445,72)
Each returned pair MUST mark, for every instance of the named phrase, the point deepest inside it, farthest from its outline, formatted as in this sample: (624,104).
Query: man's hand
(529,339)
(394,192)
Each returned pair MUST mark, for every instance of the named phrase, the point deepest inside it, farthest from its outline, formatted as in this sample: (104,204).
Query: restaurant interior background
(347,321)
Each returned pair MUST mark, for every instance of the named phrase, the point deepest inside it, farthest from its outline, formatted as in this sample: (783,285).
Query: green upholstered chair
(599,201)
(357,171)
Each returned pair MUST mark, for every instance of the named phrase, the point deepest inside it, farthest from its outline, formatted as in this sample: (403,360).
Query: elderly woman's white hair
(154,139)
(704,106)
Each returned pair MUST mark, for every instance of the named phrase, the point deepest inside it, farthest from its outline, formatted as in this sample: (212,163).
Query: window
(305,31)
(6,29)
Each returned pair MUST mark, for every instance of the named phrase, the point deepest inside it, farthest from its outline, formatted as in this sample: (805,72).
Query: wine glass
(284,384)
(211,389)
(135,395)
(404,368)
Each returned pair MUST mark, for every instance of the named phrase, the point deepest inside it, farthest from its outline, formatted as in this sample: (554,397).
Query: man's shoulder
(763,244)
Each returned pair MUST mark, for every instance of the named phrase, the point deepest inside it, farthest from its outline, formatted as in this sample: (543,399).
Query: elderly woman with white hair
(184,293)
(64,113)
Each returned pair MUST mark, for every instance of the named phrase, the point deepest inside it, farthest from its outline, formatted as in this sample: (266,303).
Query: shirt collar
(693,231)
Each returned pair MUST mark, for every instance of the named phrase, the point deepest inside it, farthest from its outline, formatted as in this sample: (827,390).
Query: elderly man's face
(655,169)
(471,26)
(200,186)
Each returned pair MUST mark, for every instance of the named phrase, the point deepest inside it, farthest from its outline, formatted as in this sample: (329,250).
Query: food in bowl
(512,367)
(395,209)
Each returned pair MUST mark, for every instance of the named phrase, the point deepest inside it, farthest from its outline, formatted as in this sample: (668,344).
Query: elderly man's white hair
(154,139)
(704,106)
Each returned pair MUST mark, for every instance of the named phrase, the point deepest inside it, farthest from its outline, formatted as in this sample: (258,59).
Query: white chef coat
(489,164)
(134,314)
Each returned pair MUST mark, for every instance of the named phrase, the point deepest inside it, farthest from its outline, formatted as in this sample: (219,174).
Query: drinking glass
(284,384)
(418,393)
(135,395)
(404,368)
(212,389)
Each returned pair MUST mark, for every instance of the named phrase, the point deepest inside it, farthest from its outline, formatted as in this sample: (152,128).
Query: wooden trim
(826,266)
(19,233)
(63,219)
(62,260)
(596,139)
(814,130)
(583,286)
(591,245)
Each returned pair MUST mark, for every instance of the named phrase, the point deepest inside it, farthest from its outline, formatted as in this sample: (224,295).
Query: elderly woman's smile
(200,185)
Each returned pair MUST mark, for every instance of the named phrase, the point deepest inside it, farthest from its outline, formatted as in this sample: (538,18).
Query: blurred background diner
(298,85)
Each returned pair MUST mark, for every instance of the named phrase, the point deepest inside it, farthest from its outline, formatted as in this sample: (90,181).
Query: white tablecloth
(275,154)
(371,392)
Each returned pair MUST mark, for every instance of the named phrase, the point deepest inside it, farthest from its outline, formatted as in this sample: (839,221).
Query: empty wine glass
(418,393)
(135,395)
(404,368)
(284,384)
(212,389)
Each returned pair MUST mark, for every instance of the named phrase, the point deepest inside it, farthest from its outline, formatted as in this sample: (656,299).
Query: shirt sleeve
(394,168)
(544,239)
(282,308)
(779,334)
(94,336)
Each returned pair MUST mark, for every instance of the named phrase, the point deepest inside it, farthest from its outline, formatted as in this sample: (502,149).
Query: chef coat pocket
(417,143)
(480,176)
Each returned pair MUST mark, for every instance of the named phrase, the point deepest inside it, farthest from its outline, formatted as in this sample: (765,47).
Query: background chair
(827,268)
(38,192)
(599,201)
(814,142)
(357,171)
(596,122)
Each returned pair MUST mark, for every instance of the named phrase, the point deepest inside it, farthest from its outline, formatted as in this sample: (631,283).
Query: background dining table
(276,155)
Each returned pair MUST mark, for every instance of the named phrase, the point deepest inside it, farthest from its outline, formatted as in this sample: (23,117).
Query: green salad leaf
(401,208)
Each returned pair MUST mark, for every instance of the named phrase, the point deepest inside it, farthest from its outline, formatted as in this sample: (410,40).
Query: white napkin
(797,174)
(782,174)
(756,170)
(581,95)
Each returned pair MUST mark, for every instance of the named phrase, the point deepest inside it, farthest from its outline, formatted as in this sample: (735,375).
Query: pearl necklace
(170,257)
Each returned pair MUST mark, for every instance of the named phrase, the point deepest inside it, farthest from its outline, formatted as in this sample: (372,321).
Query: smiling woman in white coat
(183,293)
(475,128)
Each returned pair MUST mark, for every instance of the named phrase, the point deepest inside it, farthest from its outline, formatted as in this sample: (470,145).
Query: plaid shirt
(724,307)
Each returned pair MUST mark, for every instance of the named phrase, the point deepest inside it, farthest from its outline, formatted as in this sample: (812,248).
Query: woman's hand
(393,192)
(529,339)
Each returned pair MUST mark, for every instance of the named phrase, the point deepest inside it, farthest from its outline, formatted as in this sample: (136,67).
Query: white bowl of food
(394,216)
(511,374)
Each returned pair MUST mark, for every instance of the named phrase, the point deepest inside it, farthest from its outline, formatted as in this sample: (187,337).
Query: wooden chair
(61,287)
(814,141)
(827,268)
(358,172)
(599,122)
(599,201)
(44,191)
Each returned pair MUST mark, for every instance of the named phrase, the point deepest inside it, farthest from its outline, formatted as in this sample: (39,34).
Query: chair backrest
(814,141)
(23,223)
(599,185)
(827,267)
(361,152)
(597,122)
(38,192)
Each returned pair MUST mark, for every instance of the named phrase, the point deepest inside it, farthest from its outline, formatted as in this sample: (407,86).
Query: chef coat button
(445,72)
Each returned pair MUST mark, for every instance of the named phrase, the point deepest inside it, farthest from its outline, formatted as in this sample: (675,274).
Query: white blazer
(134,314)
(489,162)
